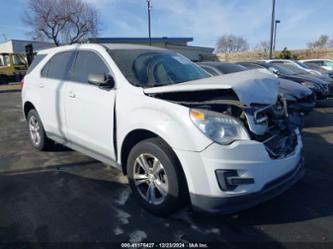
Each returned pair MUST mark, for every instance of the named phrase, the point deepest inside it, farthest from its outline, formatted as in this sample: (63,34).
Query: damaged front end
(265,123)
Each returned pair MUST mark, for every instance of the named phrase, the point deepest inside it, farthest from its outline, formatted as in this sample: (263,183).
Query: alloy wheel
(150,178)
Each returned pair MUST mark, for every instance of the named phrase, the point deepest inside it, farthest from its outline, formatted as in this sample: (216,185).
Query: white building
(177,44)
(18,46)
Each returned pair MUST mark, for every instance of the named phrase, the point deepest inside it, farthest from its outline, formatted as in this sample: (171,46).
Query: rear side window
(58,67)
(35,62)
(88,63)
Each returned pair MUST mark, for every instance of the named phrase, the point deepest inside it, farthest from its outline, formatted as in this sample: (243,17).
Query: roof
(129,46)
(95,45)
(308,60)
(140,40)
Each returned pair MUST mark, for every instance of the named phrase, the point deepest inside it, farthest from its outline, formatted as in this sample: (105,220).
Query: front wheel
(156,178)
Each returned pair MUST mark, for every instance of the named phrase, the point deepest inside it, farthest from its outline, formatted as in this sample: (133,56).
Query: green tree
(285,54)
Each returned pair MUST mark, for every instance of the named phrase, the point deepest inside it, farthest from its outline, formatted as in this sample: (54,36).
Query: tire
(166,179)
(4,80)
(37,135)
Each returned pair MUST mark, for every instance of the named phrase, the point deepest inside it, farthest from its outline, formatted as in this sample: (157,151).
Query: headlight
(308,84)
(221,128)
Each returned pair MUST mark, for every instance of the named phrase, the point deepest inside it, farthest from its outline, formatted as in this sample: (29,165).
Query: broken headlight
(221,128)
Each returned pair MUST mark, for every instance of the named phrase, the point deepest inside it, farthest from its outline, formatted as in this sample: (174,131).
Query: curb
(10,91)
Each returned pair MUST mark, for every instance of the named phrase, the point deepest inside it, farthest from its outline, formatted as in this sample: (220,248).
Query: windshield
(289,69)
(302,64)
(230,68)
(149,68)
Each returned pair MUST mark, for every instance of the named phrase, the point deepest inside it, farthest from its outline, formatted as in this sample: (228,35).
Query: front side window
(86,63)
(58,66)
(320,63)
(150,68)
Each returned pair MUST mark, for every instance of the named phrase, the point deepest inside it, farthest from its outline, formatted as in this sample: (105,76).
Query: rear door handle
(41,85)
(71,94)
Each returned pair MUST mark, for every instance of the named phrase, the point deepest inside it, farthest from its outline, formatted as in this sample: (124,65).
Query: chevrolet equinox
(220,143)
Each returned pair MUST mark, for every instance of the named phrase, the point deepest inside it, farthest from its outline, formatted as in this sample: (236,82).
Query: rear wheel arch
(28,106)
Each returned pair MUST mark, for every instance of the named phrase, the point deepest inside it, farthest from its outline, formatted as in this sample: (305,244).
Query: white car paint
(82,116)
(242,83)
(324,63)
(291,62)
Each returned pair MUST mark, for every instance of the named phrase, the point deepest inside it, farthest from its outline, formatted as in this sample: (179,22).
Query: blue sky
(204,20)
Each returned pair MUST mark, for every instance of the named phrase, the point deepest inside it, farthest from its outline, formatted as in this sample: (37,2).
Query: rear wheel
(4,79)
(37,134)
(155,177)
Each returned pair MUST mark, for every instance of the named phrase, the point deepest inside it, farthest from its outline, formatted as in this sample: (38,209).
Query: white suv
(221,143)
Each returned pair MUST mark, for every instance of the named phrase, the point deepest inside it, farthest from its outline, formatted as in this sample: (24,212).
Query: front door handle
(41,85)
(71,94)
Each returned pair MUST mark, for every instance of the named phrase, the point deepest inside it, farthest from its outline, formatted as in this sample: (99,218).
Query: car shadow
(50,207)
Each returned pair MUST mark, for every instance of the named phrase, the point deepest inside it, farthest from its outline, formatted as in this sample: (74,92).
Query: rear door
(51,91)
(90,109)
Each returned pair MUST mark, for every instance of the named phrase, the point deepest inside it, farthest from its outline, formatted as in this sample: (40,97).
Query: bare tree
(62,21)
(323,42)
(262,46)
(229,43)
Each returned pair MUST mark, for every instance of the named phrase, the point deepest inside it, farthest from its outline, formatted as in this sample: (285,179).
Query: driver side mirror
(101,80)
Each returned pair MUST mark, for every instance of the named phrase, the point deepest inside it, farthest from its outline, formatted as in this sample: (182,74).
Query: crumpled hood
(252,86)
(294,89)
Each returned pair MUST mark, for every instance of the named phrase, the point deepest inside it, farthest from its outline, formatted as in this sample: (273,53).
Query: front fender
(169,121)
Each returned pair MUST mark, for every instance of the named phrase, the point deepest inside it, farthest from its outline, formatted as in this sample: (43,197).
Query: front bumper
(330,87)
(251,160)
(323,93)
(228,205)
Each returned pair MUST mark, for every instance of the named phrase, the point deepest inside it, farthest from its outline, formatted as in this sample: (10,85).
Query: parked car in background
(12,67)
(299,99)
(294,63)
(223,143)
(324,63)
(321,88)
(320,69)
(218,68)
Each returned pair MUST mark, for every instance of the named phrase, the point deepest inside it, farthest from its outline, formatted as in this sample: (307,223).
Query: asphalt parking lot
(64,196)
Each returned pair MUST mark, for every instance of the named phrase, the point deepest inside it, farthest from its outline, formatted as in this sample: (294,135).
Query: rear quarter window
(58,67)
(36,61)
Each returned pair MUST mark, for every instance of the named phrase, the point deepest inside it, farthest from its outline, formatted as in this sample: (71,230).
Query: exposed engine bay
(269,124)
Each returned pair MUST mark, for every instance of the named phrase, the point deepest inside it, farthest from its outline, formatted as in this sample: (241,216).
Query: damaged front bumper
(260,176)
(228,205)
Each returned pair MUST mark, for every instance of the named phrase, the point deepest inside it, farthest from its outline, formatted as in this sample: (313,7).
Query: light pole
(275,30)
(149,25)
(272,30)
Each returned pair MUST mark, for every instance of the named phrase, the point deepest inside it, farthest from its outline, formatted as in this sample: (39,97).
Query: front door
(90,109)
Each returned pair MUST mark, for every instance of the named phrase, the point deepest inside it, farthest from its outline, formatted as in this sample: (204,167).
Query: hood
(324,78)
(304,77)
(294,89)
(253,86)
